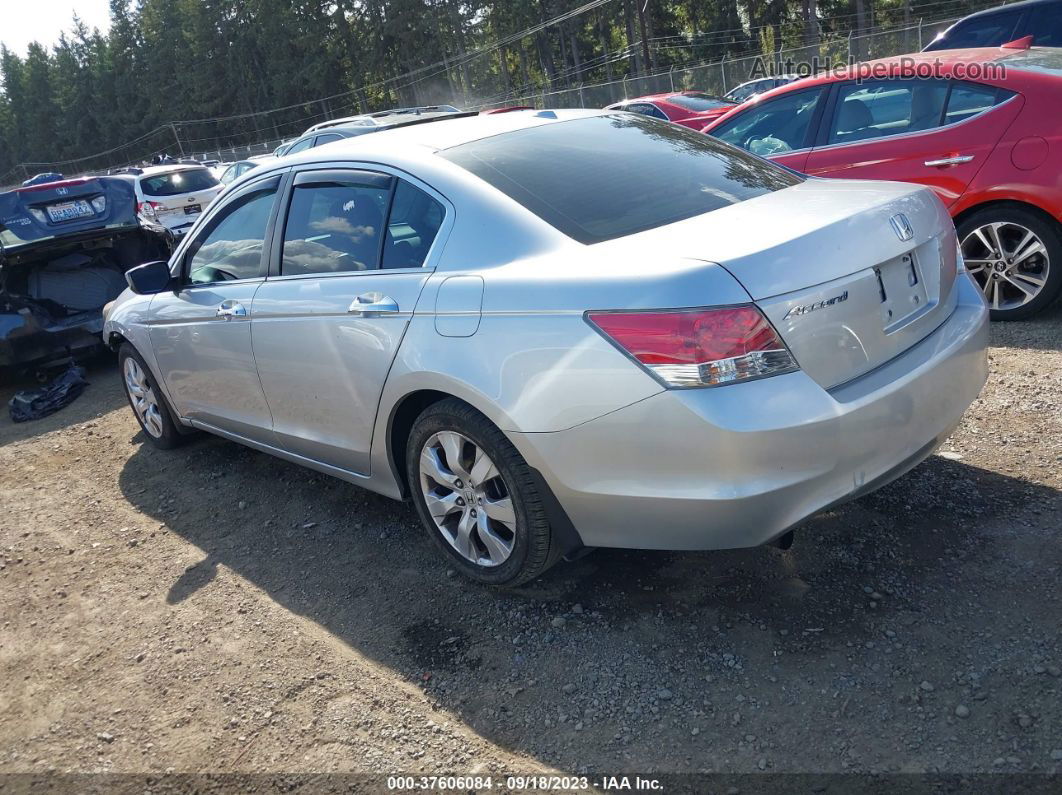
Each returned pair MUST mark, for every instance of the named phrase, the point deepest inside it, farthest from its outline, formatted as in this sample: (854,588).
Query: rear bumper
(739,465)
(29,338)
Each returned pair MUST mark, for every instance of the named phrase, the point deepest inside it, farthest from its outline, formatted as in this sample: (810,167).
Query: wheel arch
(115,340)
(400,424)
(1008,203)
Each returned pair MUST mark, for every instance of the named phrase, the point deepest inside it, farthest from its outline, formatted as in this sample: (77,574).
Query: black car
(64,249)
(1041,19)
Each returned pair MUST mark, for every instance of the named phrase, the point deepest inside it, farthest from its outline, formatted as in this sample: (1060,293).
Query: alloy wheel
(142,396)
(1009,261)
(467,498)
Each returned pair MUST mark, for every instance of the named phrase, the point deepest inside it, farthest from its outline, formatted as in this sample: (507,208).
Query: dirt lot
(215,609)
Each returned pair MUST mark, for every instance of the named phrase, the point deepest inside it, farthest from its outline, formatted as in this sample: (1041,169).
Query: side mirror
(149,278)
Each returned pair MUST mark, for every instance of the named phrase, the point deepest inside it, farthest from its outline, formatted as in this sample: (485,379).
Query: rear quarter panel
(1026,163)
(534,364)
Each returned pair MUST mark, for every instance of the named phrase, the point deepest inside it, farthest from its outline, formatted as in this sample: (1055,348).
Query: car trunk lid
(851,274)
(63,209)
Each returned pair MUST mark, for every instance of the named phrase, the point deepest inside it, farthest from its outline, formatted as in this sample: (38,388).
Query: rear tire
(485,514)
(149,405)
(1015,256)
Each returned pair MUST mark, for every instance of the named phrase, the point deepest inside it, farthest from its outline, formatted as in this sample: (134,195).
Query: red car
(987,140)
(688,108)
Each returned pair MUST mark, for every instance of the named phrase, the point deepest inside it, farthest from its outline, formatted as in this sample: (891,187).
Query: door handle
(368,304)
(230,309)
(954,160)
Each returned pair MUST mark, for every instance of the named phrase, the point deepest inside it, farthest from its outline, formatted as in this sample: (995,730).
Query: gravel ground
(216,609)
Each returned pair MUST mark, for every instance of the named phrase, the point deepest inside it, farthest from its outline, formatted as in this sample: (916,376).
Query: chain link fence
(228,141)
(721,76)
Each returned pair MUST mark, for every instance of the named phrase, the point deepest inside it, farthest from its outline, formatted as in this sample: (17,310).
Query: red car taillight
(699,347)
(148,209)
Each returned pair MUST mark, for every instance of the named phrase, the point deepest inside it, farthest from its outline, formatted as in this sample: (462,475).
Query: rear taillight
(699,347)
(148,209)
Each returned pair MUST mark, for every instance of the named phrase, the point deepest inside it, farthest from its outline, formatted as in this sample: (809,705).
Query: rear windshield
(174,182)
(604,177)
(1040,59)
(697,102)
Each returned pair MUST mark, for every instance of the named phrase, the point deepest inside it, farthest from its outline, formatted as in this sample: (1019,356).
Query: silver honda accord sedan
(563,329)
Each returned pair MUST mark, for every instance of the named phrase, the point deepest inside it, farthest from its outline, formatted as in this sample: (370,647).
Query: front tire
(149,405)
(1015,256)
(476,497)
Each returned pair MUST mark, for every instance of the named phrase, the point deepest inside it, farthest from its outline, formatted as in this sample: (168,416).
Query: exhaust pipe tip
(784,541)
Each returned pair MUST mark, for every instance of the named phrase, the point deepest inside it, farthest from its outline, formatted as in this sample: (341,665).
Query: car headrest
(855,115)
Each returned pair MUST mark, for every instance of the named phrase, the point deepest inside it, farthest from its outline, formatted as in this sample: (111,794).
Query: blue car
(65,246)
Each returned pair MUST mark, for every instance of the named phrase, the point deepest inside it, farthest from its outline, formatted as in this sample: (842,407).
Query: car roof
(987,12)
(406,140)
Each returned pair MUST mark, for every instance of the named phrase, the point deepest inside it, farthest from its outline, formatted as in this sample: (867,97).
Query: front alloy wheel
(148,403)
(143,399)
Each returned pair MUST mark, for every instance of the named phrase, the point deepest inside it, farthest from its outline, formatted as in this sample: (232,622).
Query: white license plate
(69,210)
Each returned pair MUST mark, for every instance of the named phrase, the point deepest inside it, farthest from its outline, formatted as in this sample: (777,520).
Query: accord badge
(797,311)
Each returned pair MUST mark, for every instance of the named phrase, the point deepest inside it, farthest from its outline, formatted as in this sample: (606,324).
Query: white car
(174,196)
(382,117)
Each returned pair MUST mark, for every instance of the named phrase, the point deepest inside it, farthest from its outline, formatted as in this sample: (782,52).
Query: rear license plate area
(193,209)
(903,291)
(67,211)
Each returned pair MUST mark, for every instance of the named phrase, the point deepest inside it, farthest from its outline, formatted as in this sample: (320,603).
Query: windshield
(607,176)
(697,102)
(173,183)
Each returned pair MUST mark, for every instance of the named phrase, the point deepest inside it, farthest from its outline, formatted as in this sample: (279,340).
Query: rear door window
(773,127)
(411,228)
(335,222)
(967,100)
(567,173)
(881,108)
(323,139)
